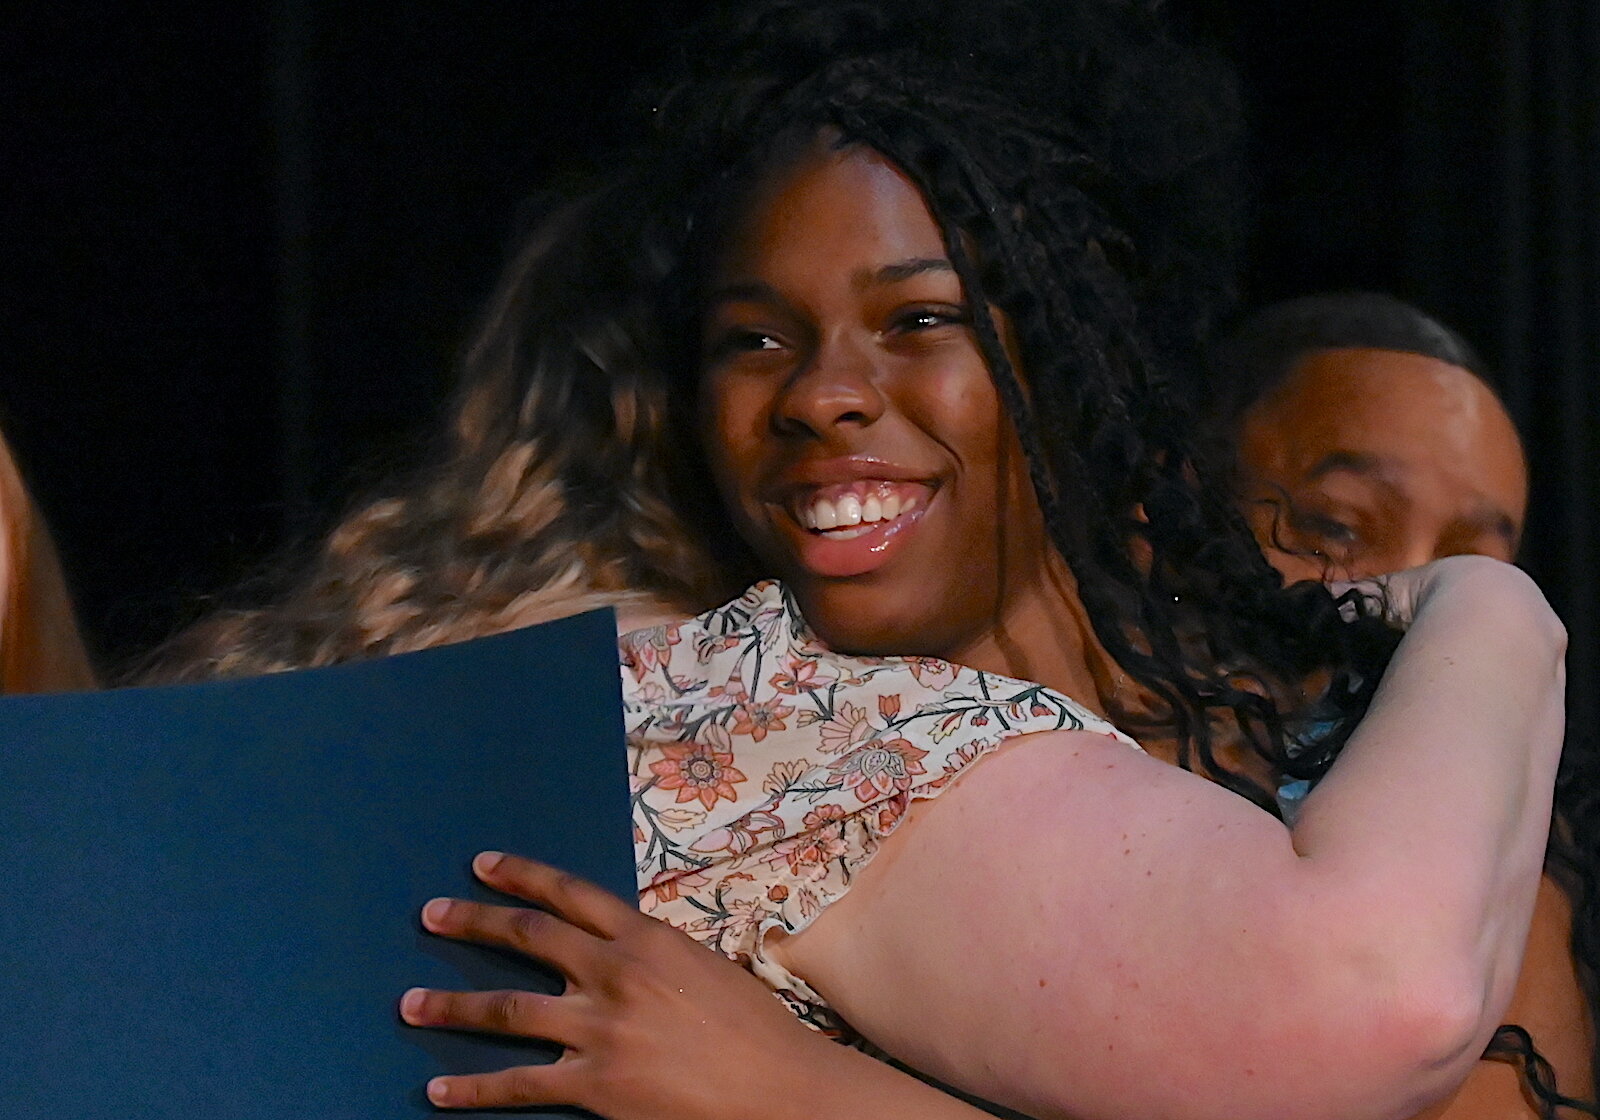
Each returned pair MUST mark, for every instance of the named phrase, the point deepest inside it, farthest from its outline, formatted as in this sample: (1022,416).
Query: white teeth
(850,513)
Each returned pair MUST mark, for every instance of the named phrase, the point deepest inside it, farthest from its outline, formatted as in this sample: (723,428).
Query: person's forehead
(1384,399)
(1396,412)
(843,200)
(1379,392)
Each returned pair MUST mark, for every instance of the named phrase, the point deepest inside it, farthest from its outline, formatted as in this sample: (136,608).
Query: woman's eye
(753,340)
(930,318)
(742,342)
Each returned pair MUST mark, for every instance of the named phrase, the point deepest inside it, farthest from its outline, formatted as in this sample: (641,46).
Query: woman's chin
(858,619)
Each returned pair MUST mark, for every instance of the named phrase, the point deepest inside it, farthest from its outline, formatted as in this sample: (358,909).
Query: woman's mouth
(844,512)
(854,527)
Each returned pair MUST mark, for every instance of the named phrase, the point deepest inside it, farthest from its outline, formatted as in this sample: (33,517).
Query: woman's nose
(838,385)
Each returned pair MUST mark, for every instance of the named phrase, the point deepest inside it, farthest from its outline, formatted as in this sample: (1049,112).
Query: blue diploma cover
(211,890)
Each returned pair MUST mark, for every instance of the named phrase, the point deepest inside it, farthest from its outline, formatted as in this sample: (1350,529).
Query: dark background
(243,243)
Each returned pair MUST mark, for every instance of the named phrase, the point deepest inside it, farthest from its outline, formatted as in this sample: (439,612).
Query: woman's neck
(1042,633)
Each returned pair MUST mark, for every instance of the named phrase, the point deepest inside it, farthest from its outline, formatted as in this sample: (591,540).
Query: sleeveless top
(766,769)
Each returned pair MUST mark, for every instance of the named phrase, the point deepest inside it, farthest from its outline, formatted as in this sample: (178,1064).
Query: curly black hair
(1080,164)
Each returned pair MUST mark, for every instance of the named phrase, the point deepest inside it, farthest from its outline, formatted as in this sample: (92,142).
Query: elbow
(1380,1026)
(1441,1025)
(1371,1051)
(1421,1039)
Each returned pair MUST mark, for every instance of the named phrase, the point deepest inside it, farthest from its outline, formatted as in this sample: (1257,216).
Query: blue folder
(211,891)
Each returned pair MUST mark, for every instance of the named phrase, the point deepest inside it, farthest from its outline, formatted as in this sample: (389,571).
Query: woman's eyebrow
(900,270)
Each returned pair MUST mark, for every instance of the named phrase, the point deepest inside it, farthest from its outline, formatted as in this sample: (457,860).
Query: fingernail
(486,862)
(439,1091)
(435,912)
(411,1004)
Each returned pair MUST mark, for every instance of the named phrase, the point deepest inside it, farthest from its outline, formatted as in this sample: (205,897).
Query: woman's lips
(852,528)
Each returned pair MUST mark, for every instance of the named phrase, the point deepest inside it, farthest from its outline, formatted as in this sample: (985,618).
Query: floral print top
(766,769)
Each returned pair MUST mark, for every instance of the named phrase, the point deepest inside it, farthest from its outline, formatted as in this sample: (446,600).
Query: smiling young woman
(940,269)
(908,701)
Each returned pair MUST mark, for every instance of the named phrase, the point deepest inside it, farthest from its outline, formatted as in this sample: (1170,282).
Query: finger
(1352,599)
(1370,587)
(522,1014)
(507,1088)
(577,900)
(546,937)
(1380,596)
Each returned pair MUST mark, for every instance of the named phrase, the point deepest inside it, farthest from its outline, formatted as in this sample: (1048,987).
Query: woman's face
(851,422)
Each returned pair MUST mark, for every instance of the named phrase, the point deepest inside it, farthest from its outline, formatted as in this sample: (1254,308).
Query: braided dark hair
(1076,176)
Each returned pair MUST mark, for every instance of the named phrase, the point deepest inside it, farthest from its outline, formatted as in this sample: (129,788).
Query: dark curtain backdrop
(245,242)
(1502,192)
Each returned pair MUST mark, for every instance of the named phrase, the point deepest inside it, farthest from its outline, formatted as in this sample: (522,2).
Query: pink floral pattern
(697,770)
(841,747)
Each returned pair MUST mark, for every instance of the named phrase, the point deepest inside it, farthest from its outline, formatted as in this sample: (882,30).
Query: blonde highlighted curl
(555,493)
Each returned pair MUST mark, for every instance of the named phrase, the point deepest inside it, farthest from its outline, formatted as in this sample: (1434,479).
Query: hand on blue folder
(654,1023)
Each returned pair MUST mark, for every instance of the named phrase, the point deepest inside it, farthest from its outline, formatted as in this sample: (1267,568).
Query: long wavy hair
(560,485)
(1076,160)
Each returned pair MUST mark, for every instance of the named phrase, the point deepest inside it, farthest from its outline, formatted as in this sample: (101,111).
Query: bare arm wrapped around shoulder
(1076,929)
